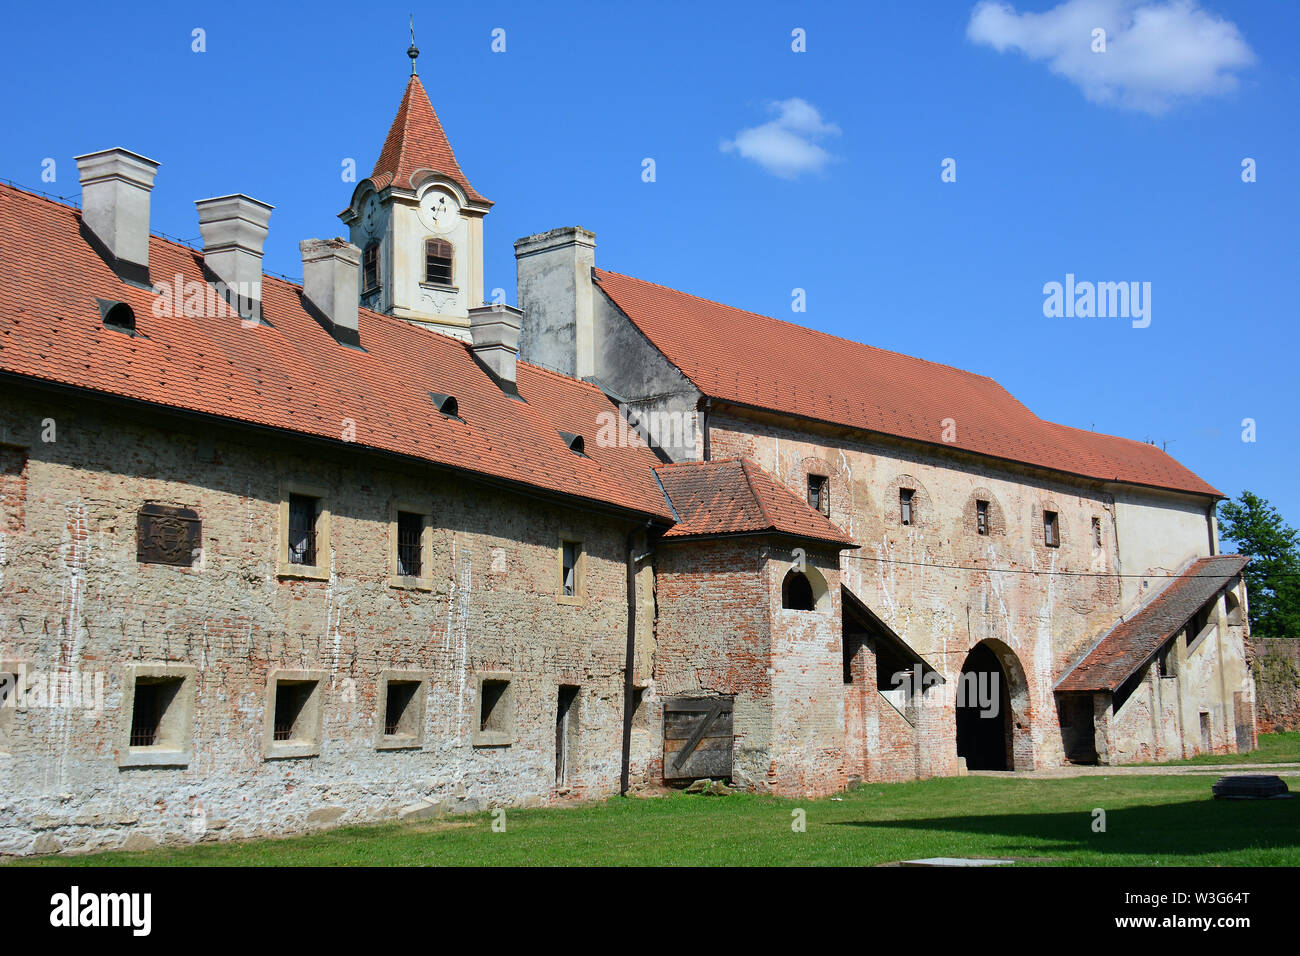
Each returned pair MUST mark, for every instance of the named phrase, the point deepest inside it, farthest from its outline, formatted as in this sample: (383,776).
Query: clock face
(370,218)
(439,211)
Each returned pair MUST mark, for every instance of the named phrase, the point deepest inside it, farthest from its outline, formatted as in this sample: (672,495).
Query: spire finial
(414,51)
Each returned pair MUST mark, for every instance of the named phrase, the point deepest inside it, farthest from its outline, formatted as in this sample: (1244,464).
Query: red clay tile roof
(1133,642)
(736,496)
(416,141)
(754,360)
(293,375)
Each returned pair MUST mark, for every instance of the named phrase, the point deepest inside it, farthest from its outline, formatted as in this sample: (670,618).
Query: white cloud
(1158,52)
(787,145)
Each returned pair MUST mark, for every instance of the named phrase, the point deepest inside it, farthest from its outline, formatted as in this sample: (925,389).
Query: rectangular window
(905,499)
(1096,532)
(982,517)
(8,703)
(370,267)
(437,262)
(303,510)
(292,699)
(819,493)
(1051,530)
(496,707)
(157,715)
(153,697)
(294,712)
(410,544)
(399,711)
(569,568)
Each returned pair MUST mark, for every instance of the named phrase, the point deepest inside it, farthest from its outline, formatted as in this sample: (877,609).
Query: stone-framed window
(571,560)
(304,532)
(11,673)
(399,709)
(156,725)
(410,536)
(494,725)
(294,713)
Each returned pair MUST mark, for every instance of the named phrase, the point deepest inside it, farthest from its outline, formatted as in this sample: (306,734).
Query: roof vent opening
(446,404)
(117,316)
(575,443)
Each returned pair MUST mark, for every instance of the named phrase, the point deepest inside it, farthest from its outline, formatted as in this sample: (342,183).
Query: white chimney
(115,188)
(234,230)
(555,292)
(329,282)
(494,338)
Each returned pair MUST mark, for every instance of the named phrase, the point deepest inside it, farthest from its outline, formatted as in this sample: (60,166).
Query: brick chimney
(329,282)
(556,296)
(234,230)
(494,338)
(115,188)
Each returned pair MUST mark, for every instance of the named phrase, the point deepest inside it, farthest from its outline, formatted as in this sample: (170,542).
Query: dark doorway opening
(1078,728)
(566,731)
(984,712)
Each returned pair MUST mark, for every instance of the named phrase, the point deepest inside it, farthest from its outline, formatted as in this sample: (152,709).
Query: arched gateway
(992,710)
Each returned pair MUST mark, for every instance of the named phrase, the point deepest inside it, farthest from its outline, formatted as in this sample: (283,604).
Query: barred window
(410,534)
(303,510)
(291,707)
(981,517)
(437,261)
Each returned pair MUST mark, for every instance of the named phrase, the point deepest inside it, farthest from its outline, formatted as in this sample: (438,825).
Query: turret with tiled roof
(417,141)
(419,223)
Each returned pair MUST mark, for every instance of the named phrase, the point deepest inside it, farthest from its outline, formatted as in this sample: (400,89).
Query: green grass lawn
(1273,748)
(1150,820)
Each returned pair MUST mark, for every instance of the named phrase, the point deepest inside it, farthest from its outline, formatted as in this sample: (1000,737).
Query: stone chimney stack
(115,188)
(494,337)
(329,281)
(234,230)
(556,296)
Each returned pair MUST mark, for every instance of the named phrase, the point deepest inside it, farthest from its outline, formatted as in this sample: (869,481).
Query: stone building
(275,556)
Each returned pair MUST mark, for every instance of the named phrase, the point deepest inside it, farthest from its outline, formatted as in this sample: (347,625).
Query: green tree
(1256,528)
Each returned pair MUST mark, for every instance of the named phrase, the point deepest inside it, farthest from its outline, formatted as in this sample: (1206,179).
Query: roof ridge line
(805,328)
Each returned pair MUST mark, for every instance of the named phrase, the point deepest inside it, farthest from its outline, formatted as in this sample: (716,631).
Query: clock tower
(419,223)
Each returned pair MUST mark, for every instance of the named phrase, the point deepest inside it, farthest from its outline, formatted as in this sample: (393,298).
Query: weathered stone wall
(73,598)
(807,750)
(713,637)
(1276,663)
(1042,608)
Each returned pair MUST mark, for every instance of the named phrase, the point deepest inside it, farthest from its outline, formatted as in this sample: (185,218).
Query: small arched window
(797,592)
(1233,608)
(370,267)
(437,261)
(117,316)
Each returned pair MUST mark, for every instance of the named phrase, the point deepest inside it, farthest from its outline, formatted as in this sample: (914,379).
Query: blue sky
(1115,166)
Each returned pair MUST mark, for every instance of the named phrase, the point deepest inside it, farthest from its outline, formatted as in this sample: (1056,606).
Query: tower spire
(413,51)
